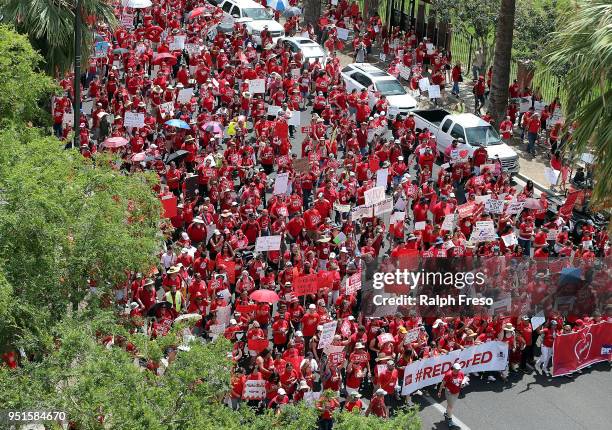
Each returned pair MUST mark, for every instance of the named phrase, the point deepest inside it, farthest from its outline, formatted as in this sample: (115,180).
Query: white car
(255,17)
(364,75)
(310,49)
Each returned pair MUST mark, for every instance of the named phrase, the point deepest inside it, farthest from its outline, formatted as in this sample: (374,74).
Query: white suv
(364,75)
(255,17)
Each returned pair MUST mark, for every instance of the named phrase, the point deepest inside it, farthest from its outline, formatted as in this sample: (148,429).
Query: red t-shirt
(453,381)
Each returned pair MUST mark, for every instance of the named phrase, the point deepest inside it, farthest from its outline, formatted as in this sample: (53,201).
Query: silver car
(310,49)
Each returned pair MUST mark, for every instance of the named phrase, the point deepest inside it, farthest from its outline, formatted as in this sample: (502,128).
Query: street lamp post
(77,73)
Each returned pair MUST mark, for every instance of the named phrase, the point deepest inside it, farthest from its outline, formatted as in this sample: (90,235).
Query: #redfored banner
(579,349)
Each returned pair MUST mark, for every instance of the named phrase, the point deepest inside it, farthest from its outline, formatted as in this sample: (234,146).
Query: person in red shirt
(310,321)
(548,335)
(533,127)
(353,403)
(452,382)
(377,405)
(326,406)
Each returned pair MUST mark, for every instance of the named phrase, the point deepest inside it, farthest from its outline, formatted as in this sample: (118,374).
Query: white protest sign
(400,204)
(552,235)
(327,334)
(343,33)
(210,231)
(177,44)
(397,217)
(374,195)
(193,48)
(420,225)
(273,110)
(257,86)
(68,119)
(485,357)
(525,104)
(87,106)
(224,313)
(494,206)
(364,211)
(587,158)
(281,184)
(434,91)
(184,95)
(551,175)
(167,108)
(424,84)
(449,222)
(254,390)
(352,284)
(503,305)
(383,207)
(127,20)
(483,231)
(342,208)
(382,176)
(510,240)
(295,118)
(515,207)
(268,243)
(412,336)
(537,320)
(482,199)
(405,72)
(133,119)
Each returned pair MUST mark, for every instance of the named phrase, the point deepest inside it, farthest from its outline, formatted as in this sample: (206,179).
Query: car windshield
(257,13)
(482,136)
(390,88)
(312,51)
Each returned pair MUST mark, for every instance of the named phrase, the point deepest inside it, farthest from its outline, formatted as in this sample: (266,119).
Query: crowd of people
(219,152)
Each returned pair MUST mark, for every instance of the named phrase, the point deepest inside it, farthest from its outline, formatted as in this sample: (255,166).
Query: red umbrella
(197,12)
(265,296)
(160,58)
(115,142)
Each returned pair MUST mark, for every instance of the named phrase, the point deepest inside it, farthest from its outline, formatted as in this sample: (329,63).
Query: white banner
(268,243)
(374,195)
(327,334)
(486,357)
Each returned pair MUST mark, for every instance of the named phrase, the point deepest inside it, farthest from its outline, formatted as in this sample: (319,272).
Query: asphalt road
(531,402)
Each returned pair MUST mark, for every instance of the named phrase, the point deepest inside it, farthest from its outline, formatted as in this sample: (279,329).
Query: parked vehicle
(310,49)
(364,75)
(255,17)
(474,131)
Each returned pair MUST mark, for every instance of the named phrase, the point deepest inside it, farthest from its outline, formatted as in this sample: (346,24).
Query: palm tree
(50,26)
(498,102)
(584,43)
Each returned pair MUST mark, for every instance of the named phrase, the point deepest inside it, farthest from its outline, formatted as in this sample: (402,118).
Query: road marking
(458,423)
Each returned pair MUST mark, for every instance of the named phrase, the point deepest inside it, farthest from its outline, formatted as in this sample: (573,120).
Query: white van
(255,17)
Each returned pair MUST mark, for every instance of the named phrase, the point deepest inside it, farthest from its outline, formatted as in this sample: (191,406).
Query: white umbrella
(137,4)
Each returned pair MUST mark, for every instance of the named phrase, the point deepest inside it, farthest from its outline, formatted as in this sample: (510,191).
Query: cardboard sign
(169,203)
(87,106)
(362,212)
(295,73)
(343,33)
(281,184)
(340,238)
(254,390)
(68,119)
(383,207)
(424,84)
(353,283)
(384,338)
(484,231)
(449,222)
(434,91)
(267,243)
(382,176)
(374,195)
(515,207)
(133,119)
(466,210)
(552,235)
(405,73)
(327,334)
(257,86)
(184,95)
(482,199)
(494,206)
(382,57)
(306,284)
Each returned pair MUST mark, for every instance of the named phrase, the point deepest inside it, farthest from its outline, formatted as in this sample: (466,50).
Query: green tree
(584,43)
(69,223)
(50,26)
(502,59)
(474,18)
(25,92)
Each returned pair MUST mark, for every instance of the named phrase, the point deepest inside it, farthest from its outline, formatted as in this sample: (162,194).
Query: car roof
(470,120)
(372,71)
(246,3)
(301,40)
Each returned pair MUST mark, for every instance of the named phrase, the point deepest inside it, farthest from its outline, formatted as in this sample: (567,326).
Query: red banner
(245,309)
(582,348)
(169,203)
(326,279)
(465,210)
(307,284)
